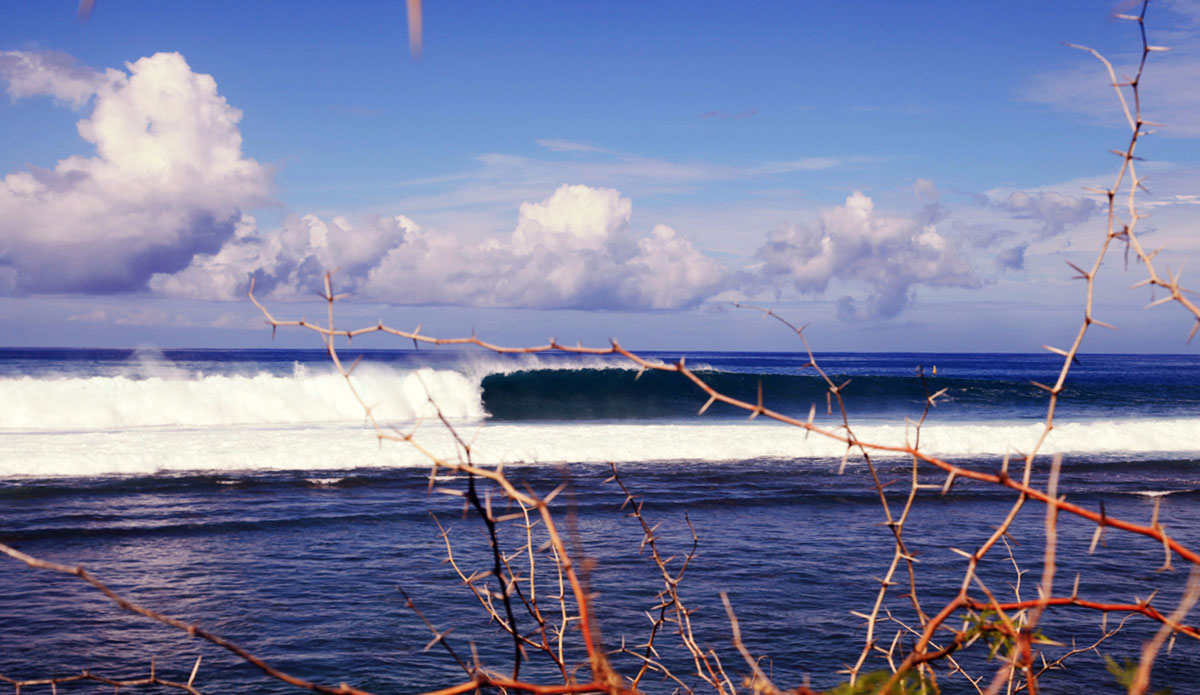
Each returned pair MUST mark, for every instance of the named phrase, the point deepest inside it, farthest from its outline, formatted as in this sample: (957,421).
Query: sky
(897,176)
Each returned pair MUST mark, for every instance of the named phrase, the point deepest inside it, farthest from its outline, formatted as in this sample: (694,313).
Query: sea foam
(181,399)
(341,447)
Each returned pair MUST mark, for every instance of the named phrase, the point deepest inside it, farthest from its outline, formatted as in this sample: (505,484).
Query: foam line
(330,447)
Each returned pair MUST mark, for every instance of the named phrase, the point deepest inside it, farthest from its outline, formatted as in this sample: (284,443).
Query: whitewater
(71,413)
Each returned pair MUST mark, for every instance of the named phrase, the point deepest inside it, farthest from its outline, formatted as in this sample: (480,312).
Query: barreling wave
(541,393)
(528,389)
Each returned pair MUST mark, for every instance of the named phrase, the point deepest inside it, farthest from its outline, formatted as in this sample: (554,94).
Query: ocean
(243,491)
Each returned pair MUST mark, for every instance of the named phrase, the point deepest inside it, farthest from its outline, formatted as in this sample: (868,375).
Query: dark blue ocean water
(239,490)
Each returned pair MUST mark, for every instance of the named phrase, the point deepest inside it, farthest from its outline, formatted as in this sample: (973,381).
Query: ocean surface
(243,491)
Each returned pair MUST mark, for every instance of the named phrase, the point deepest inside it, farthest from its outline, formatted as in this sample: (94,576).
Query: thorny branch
(1015,622)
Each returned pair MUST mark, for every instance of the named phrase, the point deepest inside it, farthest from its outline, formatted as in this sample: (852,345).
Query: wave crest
(185,400)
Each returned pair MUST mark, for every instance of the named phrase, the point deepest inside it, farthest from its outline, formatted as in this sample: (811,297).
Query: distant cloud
(133,316)
(741,115)
(852,244)
(1170,200)
(806,164)
(498,178)
(50,73)
(1169,91)
(568,146)
(571,250)
(359,111)
(899,109)
(231,320)
(1012,258)
(1054,211)
(926,191)
(167,181)
(93,316)
(147,317)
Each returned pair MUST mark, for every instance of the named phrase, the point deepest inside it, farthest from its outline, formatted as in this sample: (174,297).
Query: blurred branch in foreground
(534,583)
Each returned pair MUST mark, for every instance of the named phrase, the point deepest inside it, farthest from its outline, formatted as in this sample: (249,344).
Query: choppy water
(239,489)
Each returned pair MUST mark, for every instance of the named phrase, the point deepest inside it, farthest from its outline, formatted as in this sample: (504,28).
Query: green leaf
(911,683)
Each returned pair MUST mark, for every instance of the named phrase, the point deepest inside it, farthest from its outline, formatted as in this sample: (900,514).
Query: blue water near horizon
(239,489)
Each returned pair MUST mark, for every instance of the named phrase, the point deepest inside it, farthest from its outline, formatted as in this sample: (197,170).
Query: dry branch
(507,590)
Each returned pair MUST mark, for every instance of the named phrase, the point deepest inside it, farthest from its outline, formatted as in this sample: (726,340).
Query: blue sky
(902,176)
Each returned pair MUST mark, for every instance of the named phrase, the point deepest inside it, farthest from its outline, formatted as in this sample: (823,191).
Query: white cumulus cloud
(572,250)
(855,246)
(168,178)
(289,262)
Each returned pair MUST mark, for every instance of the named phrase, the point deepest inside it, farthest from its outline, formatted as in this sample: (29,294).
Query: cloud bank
(167,180)
(161,206)
(571,250)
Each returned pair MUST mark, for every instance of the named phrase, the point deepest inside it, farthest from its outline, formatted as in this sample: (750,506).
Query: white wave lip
(72,403)
(342,447)
(480,366)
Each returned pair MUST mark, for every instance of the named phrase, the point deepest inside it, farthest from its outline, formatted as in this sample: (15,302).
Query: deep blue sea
(242,490)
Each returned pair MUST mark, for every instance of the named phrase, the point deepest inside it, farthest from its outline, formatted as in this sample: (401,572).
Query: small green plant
(1126,673)
(991,627)
(913,682)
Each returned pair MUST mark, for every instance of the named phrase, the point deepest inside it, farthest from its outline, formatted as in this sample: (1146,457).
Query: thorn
(949,482)
(1083,275)
(554,493)
(1043,387)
